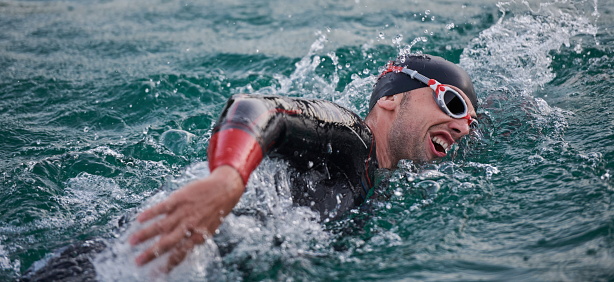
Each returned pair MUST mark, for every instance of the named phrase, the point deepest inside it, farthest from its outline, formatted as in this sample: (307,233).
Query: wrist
(232,177)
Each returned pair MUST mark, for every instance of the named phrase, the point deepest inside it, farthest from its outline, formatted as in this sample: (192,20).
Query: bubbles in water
(606,176)
(429,188)
(397,39)
(178,141)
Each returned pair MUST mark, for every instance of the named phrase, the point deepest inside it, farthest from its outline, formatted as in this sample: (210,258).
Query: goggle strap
(412,73)
(416,75)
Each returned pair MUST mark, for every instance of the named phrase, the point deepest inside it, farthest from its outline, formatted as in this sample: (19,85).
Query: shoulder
(324,109)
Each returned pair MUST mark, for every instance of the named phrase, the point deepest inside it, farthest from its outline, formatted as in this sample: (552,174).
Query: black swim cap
(433,67)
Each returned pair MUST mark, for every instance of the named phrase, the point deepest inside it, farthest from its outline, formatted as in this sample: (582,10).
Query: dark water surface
(104,101)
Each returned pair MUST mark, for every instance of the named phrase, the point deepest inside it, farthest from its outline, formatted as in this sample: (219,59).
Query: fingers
(165,244)
(161,208)
(160,227)
(180,253)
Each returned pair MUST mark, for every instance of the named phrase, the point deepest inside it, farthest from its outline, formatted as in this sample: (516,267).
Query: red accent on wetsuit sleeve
(236,148)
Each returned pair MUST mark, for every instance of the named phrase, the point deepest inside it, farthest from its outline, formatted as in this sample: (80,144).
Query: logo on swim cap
(391,83)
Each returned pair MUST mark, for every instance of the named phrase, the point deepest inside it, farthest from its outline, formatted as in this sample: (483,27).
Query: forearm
(236,149)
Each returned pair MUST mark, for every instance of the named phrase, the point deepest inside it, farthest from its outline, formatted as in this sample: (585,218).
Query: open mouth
(441,145)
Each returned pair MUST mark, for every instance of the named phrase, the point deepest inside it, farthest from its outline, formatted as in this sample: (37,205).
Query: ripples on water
(106,101)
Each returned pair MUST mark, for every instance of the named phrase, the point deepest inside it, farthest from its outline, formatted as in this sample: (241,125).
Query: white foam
(514,54)
(287,233)
(5,262)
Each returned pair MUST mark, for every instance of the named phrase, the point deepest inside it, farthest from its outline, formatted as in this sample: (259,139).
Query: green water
(104,102)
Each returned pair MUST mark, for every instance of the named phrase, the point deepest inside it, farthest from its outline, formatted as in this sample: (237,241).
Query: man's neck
(380,133)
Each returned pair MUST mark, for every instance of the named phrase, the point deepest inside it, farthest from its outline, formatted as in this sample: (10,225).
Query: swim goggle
(449,100)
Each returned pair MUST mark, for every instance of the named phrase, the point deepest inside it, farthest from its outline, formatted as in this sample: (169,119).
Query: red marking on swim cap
(236,148)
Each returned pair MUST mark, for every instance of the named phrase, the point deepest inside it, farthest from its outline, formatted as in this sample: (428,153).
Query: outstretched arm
(195,211)
(191,214)
(249,128)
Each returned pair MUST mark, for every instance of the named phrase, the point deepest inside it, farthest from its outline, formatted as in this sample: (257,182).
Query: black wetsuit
(330,149)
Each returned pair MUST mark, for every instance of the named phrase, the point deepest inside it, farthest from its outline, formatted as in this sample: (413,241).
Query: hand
(192,212)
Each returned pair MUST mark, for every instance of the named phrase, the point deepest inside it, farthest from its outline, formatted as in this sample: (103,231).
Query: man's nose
(459,127)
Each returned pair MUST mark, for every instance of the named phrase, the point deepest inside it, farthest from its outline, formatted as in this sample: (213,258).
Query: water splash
(6,264)
(511,64)
(265,223)
(89,197)
(514,54)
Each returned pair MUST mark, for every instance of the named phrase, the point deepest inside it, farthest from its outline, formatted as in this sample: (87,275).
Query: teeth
(441,143)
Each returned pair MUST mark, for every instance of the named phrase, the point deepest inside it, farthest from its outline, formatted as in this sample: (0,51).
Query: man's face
(421,131)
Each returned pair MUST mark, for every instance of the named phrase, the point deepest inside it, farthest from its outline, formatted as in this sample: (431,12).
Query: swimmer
(420,106)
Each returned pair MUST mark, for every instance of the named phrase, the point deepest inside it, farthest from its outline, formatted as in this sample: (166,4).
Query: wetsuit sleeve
(246,129)
(251,127)
(236,148)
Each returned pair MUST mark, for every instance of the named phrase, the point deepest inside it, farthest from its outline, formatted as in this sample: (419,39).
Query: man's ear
(390,102)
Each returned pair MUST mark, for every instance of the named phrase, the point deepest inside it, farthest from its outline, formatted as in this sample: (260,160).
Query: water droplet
(397,39)
(429,188)
(427,12)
